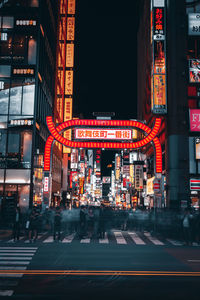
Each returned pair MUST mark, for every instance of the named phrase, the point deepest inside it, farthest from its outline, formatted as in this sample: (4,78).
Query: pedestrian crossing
(112,237)
(13,258)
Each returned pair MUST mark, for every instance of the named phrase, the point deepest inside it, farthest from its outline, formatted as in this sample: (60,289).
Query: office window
(13,142)
(26,149)
(32,47)
(5,47)
(7,22)
(4,96)
(28,99)
(23,197)
(15,97)
(3,136)
(5,70)
(17,176)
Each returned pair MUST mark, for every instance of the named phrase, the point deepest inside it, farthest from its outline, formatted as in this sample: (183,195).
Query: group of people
(93,222)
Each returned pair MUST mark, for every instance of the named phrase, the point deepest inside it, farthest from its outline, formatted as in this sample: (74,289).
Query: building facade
(27,88)
(168,43)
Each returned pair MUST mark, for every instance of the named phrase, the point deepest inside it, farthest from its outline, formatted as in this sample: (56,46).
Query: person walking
(187,227)
(102,220)
(90,222)
(16,224)
(57,224)
(82,222)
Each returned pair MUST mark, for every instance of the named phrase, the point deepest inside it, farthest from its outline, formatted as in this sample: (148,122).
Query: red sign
(194,119)
(103,134)
(46,184)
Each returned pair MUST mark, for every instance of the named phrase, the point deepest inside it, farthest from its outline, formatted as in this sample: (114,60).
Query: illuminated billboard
(194,70)
(197,148)
(103,134)
(194,23)
(158,76)
(194,119)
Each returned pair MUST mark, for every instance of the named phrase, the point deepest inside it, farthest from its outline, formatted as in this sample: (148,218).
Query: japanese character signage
(139,177)
(67,117)
(21,122)
(194,70)
(46,184)
(194,24)
(71,7)
(70,28)
(103,134)
(69,82)
(70,55)
(158,77)
(194,119)
(197,148)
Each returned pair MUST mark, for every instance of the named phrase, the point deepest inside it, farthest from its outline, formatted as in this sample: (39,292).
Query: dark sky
(106,60)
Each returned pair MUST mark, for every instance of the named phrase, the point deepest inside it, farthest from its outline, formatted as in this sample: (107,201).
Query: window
(5,47)
(17,176)
(23,197)
(32,47)
(4,96)
(15,98)
(5,70)
(7,22)
(13,143)
(28,99)
(26,148)
(2,143)
(19,47)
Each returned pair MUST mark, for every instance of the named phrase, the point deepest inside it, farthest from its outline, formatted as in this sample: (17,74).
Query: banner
(70,28)
(67,117)
(195,120)
(71,7)
(70,55)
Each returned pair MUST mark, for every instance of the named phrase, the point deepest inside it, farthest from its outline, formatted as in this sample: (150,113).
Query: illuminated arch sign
(56,136)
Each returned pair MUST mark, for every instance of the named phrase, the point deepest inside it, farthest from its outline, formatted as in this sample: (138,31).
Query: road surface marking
(154,240)
(9,282)
(48,240)
(17,251)
(85,241)
(13,268)
(175,243)
(2,262)
(136,238)
(194,260)
(69,238)
(16,257)
(18,254)
(19,248)
(6,292)
(119,237)
(11,275)
(105,240)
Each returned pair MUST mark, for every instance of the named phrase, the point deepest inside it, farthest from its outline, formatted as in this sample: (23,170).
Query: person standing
(16,224)
(57,224)
(102,220)
(82,222)
(187,227)
(90,222)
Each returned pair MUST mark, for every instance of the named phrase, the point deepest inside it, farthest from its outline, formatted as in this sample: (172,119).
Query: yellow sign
(70,28)
(150,190)
(159,90)
(69,82)
(70,55)
(67,117)
(71,7)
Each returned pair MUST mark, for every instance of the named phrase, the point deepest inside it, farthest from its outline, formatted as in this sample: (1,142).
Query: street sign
(156,185)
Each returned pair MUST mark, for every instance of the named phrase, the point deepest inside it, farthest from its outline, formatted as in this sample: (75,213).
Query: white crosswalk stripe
(85,241)
(154,240)
(119,238)
(69,238)
(13,258)
(48,240)
(174,242)
(136,238)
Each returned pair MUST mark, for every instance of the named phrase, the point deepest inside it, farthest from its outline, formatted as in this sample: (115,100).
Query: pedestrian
(57,224)
(102,220)
(186,223)
(16,224)
(34,225)
(82,222)
(90,222)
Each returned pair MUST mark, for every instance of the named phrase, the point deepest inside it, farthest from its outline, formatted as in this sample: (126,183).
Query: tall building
(168,87)
(27,87)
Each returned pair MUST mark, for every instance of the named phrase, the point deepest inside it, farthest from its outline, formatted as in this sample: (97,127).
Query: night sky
(106,59)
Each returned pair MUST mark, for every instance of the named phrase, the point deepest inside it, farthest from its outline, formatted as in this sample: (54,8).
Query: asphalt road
(98,271)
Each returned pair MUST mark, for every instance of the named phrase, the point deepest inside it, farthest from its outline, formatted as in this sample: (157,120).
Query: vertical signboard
(67,117)
(195,120)
(158,76)
(139,177)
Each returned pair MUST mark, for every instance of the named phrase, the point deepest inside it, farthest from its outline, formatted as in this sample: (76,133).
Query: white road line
(136,238)
(16,251)
(13,268)
(153,239)
(85,241)
(69,238)
(16,257)
(119,237)
(175,243)
(48,240)
(105,240)
(6,292)
(14,262)
(19,248)
(18,254)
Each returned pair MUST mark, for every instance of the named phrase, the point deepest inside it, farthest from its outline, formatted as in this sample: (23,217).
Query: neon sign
(55,135)
(103,134)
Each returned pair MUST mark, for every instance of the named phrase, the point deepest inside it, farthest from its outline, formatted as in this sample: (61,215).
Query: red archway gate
(56,136)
